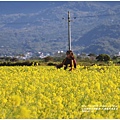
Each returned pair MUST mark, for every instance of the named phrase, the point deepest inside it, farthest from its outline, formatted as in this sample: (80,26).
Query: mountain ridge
(46,30)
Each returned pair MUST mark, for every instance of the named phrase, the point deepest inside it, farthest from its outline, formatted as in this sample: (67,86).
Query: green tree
(103,57)
(106,58)
(48,58)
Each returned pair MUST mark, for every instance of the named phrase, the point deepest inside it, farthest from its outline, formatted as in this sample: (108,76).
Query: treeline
(19,63)
(91,59)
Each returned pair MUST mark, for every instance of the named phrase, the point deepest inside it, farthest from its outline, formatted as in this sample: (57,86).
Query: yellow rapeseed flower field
(47,92)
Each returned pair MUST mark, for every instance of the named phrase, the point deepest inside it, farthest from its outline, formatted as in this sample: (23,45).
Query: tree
(106,58)
(92,55)
(48,58)
(103,57)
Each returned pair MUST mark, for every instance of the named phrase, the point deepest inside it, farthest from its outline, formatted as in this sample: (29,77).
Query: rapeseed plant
(47,92)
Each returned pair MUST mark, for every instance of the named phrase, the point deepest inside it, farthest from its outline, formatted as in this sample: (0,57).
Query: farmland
(47,92)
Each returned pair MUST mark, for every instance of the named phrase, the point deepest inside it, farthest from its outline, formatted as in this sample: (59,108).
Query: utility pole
(69,31)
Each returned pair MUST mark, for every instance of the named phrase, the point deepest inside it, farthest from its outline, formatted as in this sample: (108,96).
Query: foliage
(20,63)
(48,58)
(47,92)
(103,57)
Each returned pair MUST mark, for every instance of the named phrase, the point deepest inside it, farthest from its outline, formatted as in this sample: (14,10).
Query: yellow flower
(4,100)
(44,92)
(24,112)
(16,100)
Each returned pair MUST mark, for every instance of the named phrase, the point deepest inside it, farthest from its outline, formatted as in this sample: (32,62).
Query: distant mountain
(13,7)
(102,39)
(42,26)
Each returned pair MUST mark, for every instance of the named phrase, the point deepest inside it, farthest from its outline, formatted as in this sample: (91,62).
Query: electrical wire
(79,17)
(99,15)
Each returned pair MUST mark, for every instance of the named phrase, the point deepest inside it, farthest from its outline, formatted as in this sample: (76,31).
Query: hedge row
(23,63)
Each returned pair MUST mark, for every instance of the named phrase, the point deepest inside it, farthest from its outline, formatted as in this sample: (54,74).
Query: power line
(46,20)
(69,26)
(97,15)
